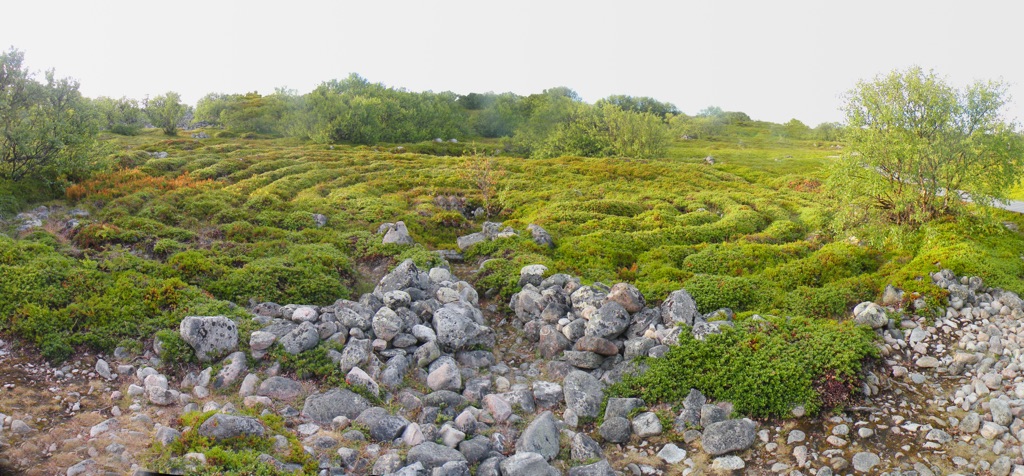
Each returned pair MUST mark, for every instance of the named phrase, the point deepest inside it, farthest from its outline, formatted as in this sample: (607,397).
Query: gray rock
(445,377)
(609,321)
(672,454)
(397,234)
(527,464)
(404,276)
(103,368)
(353,314)
(220,427)
(1001,466)
(583,360)
(459,326)
(728,463)
(712,414)
(679,308)
(469,240)
(727,436)
(870,314)
(540,235)
(386,323)
(541,436)
(552,343)
(432,455)
(865,461)
(358,378)
(646,425)
(452,468)
(1001,414)
(280,388)
(476,449)
(547,394)
(490,466)
(260,340)
(600,468)
(166,435)
(249,384)
(615,430)
(356,353)
(82,468)
(971,423)
(301,339)
(210,336)
(583,394)
(388,428)
(324,407)
(236,366)
(582,447)
(621,407)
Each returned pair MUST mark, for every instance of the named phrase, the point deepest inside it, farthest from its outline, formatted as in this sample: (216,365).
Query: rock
(532,274)
(583,394)
(236,365)
(609,321)
(938,436)
(672,454)
(727,436)
(596,345)
(103,368)
(971,423)
(600,468)
(305,314)
(211,336)
(459,326)
(1001,466)
(103,427)
(628,296)
(324,407)
(397,234)
(280,388)
(582,447)
(795,436)
(540,235)
(260,340)
(358,378)
(386,323)
(412,435)
(583,360)
(991,431)
(927,362)
(679,308)
(712,414)
(432,455)
(615,430)
(476,449)
(166,435)
(865,461)
(498,407)
(469,240)
(527,464)
(388,428)
(541,436)
(445,377)
(301,339)
(552,342)
(1001,414)
(82,468)
(621,407)
(728,463)
(647,424)
(220,427)
(870,314)
(356,353)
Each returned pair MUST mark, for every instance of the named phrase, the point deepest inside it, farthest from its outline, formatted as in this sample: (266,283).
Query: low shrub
(764,367)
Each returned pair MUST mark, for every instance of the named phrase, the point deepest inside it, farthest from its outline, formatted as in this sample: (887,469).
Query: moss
(764,367)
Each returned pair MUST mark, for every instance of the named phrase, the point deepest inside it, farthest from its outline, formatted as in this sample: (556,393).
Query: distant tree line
(48,130)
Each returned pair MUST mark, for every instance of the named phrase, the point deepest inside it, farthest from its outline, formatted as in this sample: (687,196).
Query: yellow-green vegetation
(765,367)
(240,455)
(223,220)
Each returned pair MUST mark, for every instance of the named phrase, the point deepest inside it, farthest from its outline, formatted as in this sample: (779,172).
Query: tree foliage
(120,116)
(917,144)
(166,111)
(47,130)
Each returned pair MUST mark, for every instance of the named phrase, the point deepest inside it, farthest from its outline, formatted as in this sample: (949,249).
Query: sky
(775,60)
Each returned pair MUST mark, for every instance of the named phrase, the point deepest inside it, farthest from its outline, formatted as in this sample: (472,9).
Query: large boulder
(609,321)
(527,464)
(583,393)
(470,240)
(210,336)
(459,325)
(432,455)
(221,427)
(540,436)
(679,308)
(727,436)
(280,388)
(301,339)
(324,407)
(870,314)
(627,295)
(397,234)
(540,235)
(404,276)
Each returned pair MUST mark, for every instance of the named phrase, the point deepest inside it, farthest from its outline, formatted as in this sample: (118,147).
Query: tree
(641,104)
(47,130)
(917,144)
(166,111)
(120,116)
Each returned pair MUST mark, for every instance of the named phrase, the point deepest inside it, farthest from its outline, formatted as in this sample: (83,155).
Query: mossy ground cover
(228,220)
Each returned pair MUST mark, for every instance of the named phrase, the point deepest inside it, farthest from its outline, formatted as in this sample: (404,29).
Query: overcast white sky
(774,60)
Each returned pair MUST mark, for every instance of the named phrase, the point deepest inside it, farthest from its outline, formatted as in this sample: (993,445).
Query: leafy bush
(764,367)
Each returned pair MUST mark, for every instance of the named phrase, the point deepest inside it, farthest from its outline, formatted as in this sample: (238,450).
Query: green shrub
(173,349)
(764,367)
